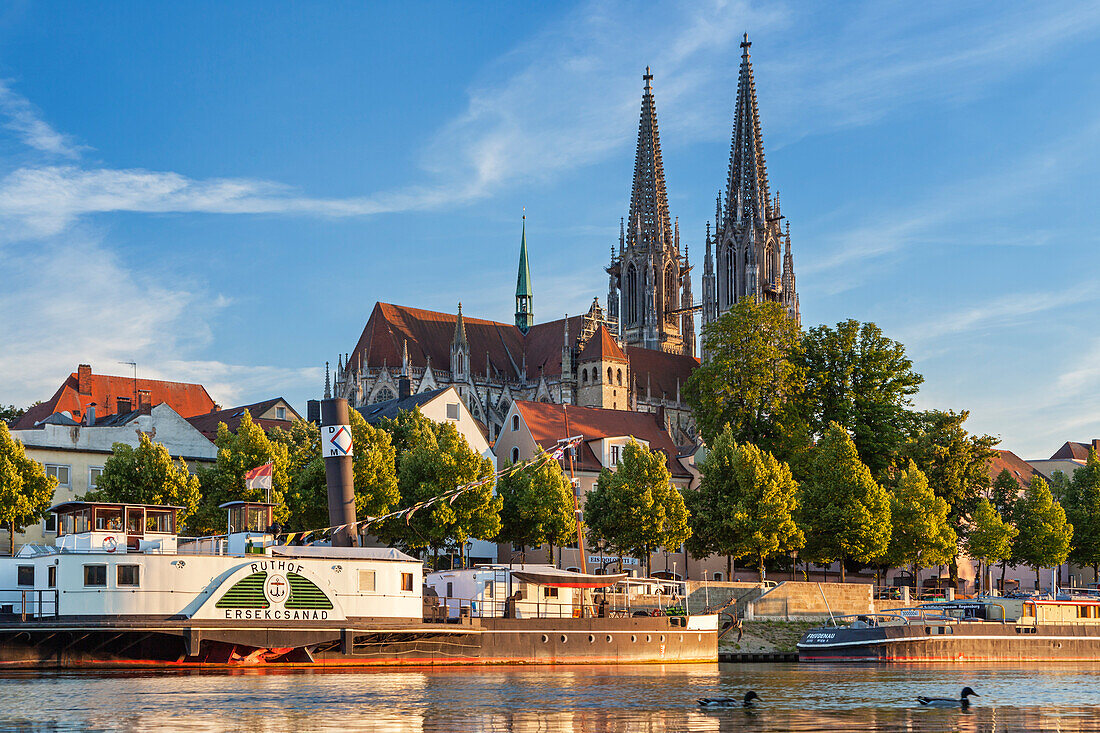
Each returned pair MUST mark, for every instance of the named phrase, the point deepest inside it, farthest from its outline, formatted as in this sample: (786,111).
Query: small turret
(525,316)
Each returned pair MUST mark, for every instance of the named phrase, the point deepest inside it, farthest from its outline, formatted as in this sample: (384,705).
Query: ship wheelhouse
(115,528)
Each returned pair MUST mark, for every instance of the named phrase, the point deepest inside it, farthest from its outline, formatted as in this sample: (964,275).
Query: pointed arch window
(731,277)
(631,293)
(584,376)
(383,395)
(619,377)
(671,291)
(609,375)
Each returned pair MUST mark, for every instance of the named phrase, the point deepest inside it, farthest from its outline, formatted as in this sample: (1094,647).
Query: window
(452,410)
(159,521)
(26,575)
(51,576)
(584,376)
(615,455)
(407,582)
(450,589)
(135,520)
(609,375)
(366,581)
(95,576)
(280,413)
(49,524)
(515,455)
(515,422)
(718,577)
(94,472)
(108,519)
(619,377)
(489,589)
(129,575)
(61,473)
(548,592)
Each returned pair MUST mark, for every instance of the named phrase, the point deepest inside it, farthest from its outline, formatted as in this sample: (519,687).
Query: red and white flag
(259,477)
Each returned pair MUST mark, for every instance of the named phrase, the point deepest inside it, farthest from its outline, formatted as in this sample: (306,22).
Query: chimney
(89,415)
(84,379)
(1096,445)
(123,405)
(313,411)
(404,387)
(145,399)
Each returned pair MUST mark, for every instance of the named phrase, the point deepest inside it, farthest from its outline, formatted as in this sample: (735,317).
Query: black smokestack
(336,448)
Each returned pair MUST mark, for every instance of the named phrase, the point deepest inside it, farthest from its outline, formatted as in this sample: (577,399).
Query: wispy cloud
(25,121)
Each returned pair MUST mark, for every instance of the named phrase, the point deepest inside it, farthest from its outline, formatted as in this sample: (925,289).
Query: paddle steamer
(122,588)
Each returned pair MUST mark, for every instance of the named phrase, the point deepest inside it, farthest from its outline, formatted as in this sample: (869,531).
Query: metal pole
(336,447)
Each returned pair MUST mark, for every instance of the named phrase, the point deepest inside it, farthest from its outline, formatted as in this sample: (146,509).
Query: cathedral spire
(747,198)
(525,317)
(328,389)
(648,199)
(460,329)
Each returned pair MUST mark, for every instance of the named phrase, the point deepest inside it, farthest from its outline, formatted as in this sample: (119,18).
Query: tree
(744,505)
(537,506)
(147,475)
(863,380)
(1005,495)
(921,535)
(844,513)
(373,466)
(1045,535)
(11,413)
(955,462)
(26,492)
(239,453)
(1082,503)
(635,508)
(434,458)
(751,377)
(990,538)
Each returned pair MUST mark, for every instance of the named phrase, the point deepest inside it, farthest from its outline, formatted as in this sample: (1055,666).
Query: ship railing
(458,607)
(217,544)
(33,603)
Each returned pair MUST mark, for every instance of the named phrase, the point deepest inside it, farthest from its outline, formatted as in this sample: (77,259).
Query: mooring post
(336,448)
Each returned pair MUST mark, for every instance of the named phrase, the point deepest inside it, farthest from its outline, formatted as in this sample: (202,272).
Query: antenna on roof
(134,365)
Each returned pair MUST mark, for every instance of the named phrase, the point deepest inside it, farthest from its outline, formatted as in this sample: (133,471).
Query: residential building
(1066,459)
(272,413)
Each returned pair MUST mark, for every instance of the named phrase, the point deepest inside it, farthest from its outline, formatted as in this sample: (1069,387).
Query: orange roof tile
(601,347)
(1020,469)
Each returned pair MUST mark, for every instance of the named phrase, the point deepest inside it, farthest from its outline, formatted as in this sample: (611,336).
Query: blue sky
(221,191)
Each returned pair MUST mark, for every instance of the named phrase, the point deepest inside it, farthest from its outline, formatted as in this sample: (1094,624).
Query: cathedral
(635,355)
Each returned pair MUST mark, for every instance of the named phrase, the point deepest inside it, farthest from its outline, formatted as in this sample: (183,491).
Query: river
(650,698)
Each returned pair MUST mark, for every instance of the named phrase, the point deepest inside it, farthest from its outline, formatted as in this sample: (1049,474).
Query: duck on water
(947,702)
(730,702)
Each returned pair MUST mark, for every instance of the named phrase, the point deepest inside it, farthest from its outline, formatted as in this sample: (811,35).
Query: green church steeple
(525,317)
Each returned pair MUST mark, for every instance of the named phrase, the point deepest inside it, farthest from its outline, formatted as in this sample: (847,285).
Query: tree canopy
(844,512)
(147,475)
(751,377)
(744,505)
(1045,535)
(861,379)
(921,535)
(989,538)
(239,453)
(26,492)
(1082,504)
(635,509)
(537,506)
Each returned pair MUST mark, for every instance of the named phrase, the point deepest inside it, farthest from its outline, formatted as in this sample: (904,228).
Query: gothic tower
(525,316)
(747,233)
(648,275)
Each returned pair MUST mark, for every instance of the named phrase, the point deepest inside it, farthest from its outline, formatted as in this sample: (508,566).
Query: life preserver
(110,544)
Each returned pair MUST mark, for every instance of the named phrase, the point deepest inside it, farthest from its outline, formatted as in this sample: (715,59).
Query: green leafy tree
(745,504)
(921,534)
(11,413)
(844,513)
(373,466)
(635,509)
(955,462)
(863,380)
(1004,492)
(537,506)
(239,453)
(26,492)
(1045,535)
(434,458)
(147,475)
(1082,503)
(989,539)
(751,378)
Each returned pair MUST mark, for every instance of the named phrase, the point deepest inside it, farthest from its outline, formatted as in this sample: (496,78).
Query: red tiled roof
(547,424)
(1020,469)
(601,347)
(185,398)
(1075,451)
(430,334)
(207,424)
(666,372)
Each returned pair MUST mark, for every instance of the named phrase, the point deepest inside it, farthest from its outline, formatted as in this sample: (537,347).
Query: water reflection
(653,699)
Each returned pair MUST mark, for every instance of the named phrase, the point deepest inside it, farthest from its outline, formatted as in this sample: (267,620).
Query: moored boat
(983,630)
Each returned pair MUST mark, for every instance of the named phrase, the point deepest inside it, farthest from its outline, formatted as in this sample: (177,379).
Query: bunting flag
(450,495)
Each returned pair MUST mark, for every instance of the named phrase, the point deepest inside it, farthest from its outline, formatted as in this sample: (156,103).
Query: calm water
(558,699)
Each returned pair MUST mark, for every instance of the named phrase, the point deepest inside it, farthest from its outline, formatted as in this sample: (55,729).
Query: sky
(220,192)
